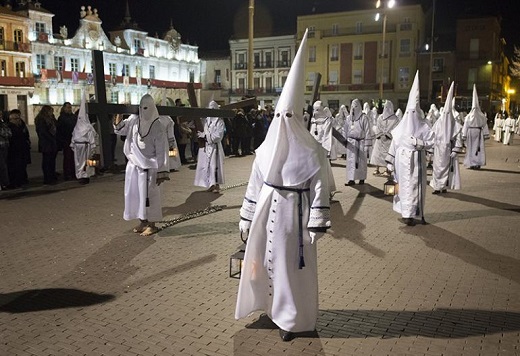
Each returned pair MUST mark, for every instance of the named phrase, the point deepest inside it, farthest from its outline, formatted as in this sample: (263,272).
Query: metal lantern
(391,187)
(236,261)
(172,152)
(94,160)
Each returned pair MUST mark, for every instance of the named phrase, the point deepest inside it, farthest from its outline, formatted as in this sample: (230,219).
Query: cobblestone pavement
(74,279)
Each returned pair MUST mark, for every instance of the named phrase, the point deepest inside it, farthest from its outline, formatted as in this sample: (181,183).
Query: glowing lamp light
(391,187)
(94,160)
(172,152)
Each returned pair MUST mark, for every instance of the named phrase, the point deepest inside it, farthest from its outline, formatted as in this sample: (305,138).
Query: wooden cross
(101,108)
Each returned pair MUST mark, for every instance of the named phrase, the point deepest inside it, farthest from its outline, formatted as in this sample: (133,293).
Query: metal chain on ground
(233,186)
(198,213)
(191,215)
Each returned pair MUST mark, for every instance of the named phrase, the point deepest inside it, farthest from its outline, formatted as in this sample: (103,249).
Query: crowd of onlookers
(244,133)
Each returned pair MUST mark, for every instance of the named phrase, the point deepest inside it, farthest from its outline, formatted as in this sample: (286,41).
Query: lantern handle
(241,238)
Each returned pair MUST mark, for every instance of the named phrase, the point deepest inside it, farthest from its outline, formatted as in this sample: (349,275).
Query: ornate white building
(134,63)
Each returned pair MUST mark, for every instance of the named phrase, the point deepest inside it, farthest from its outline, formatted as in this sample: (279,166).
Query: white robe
(508,128)
(383,139)
(339,124)
(321,130)
(210,162)
(271,280)
(474,137)
(497,127)
(358,136)
(410,173)
(169,124)
(83,150)
(147,156)
(446,170)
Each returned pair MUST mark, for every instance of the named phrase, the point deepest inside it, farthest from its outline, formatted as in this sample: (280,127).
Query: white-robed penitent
(146,148)
(286,198)
(448,145)
(174,161)
(508,129)
(210,158)
(474,132)
(339,124)
(83,142)
(498,126)
(407,157)
(321,126)
(386,122)
(358,136)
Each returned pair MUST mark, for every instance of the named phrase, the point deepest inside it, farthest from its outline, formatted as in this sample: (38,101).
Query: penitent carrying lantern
(236,261)
(391,187)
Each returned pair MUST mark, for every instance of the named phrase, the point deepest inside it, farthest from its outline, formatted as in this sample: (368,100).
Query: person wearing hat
(146,148)
(285,210)
(406,158)
(474,132)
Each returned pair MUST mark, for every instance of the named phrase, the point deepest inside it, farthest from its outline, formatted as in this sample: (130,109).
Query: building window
(257,60)
(312,53)
(312,78)
(335,29)
(74,64)
(404,78)
(126,70)
(2,37)
(438,65)
(333,77)
(311,32)
(137,45)
(256,83)
(112,69)
(58,62)
(138,71)
(18,36)
(472,77)
(334,53)
(20,69)
(40,61)
(218,78)
(241,61)
(284,79)
(192,76)
(268,60)
(473,48)
(405,46)
(114,97)
(40,27)
(357,76)
(333,105)
(268,84)
(241,83)
(359,27)
(358,51)
(3,68)
(285,59)
(152,72)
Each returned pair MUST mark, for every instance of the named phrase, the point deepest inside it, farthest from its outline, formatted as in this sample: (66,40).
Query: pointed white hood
(412,123)
(388,110)
(83,125)
(445,127)
(147,114)
(289,154)
(476,118)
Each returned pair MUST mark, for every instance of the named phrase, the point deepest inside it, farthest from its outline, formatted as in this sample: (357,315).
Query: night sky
(211,23)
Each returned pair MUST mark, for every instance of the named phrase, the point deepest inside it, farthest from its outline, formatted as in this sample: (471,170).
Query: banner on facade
(43,72)
(75,77)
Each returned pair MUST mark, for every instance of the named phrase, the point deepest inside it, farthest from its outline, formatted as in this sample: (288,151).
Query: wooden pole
(250,85)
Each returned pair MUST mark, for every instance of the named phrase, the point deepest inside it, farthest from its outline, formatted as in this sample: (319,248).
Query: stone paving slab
(74,279)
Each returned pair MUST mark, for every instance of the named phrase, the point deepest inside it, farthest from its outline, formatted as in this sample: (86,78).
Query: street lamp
(389,4)
(430,81)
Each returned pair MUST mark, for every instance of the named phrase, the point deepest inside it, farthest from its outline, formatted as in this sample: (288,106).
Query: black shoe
(84,181)
(409,221)
(435,192)
(286,335)
(361,182)
(444,191)
(350,182)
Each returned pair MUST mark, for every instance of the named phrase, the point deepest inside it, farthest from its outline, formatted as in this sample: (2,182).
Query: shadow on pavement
(50,298)
(467,251)
(346,226)
(482,201)
(38,191)
(498,171)
(437,323)
(196,201)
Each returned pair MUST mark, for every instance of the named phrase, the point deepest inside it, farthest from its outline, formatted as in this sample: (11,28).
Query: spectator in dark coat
(19,155)
(242,131)
(64,127)
(45,123)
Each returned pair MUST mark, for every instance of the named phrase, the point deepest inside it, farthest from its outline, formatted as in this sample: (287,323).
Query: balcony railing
(15,46)
(349,31)
(352,87)
(17,81)
(257,91)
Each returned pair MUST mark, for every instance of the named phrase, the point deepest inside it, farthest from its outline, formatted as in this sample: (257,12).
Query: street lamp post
(389,4)
(430,80)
